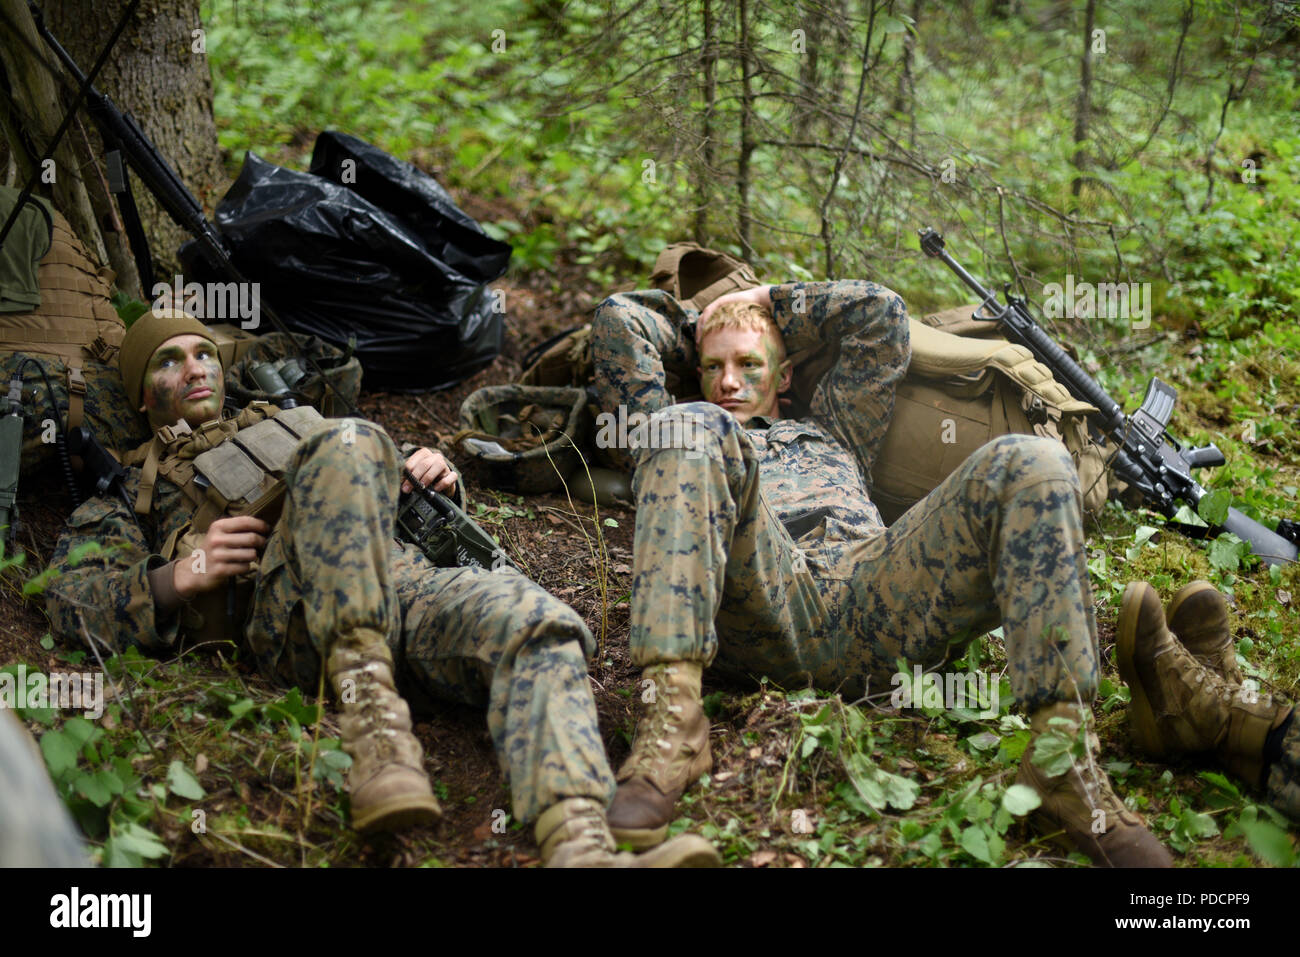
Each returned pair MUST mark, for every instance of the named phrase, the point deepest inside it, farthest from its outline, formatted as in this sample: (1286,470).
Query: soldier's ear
(787,372)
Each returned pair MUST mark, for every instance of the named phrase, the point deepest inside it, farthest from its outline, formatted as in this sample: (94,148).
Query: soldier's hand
(759,295)
(431,469)
(230,547)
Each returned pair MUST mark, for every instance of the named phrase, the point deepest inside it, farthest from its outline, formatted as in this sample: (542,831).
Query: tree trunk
(905,95)
(704,181)
(1085,98)
(31,115)
(744,218)
(157,73)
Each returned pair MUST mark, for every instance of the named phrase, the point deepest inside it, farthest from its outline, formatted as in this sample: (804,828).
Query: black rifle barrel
(1160,483)
(1022,326)
(158,177)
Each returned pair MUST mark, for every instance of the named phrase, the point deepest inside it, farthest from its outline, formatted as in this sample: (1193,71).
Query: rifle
(441,529)
(1147,457)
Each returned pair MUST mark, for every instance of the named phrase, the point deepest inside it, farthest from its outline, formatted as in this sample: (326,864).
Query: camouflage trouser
(1282,783)
(489,639)
(999,541)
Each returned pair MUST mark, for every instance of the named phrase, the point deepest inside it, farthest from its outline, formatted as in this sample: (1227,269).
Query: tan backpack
(960,393)
(71,340)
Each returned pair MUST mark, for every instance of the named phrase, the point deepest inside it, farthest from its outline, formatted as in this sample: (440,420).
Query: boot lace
(655,729)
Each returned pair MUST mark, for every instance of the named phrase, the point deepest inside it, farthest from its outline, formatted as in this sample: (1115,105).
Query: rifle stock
(1147,457)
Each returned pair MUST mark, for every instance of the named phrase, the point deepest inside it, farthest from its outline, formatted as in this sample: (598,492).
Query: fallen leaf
(1284,596)
(483,831)
(200,764)
(906,764)
(762,858)
(755,753)
(794,860)
(621,569)
(553,519)
(723,776)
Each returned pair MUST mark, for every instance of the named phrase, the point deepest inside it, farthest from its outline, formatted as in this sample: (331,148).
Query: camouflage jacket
(101,565)
(102,562)
(812,468)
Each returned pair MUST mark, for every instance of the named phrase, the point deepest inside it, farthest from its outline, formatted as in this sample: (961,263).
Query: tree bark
(156,74)
(704,181)
(744,219)
(1085,98)
(32,113)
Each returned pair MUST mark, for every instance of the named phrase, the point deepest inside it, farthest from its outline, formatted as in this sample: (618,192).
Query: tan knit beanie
(145,336)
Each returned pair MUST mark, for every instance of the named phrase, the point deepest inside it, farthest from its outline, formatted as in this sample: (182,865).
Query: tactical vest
(223,468)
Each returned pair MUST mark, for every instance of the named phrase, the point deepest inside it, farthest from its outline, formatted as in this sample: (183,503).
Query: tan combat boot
(1081,805)
(575,833)
(387,781)
(1178,705)
(670,751)
(1198,617)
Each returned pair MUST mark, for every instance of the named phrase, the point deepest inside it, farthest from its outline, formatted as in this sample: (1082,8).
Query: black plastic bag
(366,245)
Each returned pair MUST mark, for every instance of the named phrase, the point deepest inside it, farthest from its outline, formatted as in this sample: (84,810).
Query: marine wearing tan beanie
(145,336)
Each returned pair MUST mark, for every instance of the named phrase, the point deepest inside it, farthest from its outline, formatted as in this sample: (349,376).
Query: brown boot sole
(1142,719)
(640,839)
(398,814)
(1184,593)
(688,850)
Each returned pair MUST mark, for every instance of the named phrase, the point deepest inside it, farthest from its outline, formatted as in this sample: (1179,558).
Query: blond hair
(743,315)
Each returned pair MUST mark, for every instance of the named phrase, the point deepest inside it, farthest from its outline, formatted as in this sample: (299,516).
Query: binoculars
(279,378)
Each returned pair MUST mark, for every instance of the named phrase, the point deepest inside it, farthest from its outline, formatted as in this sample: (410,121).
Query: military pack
(313,371)
(962,392)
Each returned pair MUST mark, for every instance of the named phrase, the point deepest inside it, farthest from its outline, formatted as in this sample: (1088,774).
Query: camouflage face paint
(740,370)
(183,381)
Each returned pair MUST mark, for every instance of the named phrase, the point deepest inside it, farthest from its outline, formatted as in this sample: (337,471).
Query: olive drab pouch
(225,467)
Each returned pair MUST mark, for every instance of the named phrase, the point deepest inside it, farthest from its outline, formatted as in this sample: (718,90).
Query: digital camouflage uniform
(761,546)
(770,532)
(486,638)
(1282,779)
